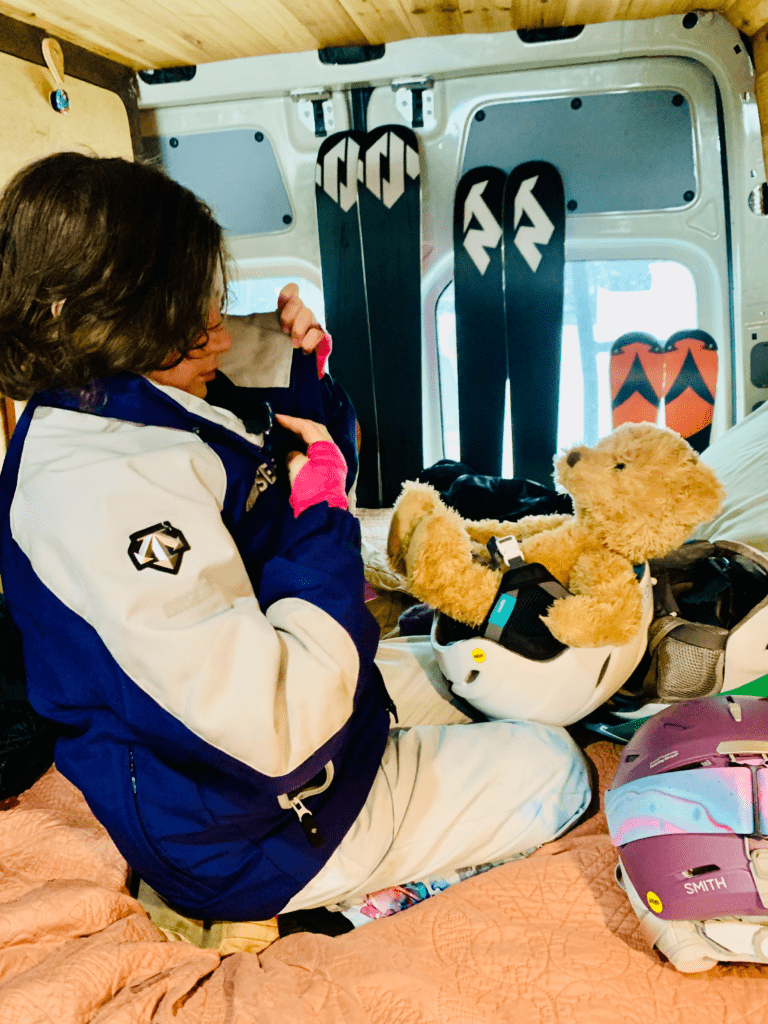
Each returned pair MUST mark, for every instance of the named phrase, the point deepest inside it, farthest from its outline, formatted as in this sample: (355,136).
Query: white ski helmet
(522,671)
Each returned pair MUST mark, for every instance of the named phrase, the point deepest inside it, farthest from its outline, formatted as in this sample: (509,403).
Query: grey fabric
(740,459)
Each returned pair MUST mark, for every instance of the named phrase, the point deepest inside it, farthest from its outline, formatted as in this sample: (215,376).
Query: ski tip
(647,341)
(706,343)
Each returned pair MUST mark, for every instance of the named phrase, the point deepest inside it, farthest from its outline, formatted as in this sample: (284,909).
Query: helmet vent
(603,670)
(704,869)
(631,757)
(472,676)
(689,766)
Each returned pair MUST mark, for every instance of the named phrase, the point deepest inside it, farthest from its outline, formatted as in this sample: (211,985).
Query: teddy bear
(637,494)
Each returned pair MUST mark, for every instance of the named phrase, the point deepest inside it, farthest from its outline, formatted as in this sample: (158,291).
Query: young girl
(189,585)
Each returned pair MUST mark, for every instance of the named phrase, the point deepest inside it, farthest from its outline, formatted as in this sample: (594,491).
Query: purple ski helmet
(688,809)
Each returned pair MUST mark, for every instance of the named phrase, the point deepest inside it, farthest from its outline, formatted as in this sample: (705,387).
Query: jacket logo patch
(265,475)
(159,547)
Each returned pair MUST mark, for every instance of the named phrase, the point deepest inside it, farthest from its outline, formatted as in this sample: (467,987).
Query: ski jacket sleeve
(122,522)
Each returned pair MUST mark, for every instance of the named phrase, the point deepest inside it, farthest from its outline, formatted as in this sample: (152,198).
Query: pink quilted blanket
(548,940)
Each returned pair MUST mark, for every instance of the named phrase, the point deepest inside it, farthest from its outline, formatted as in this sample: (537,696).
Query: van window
(603,300)
(259,295)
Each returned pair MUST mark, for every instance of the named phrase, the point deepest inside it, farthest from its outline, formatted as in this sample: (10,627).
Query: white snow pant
(450,793)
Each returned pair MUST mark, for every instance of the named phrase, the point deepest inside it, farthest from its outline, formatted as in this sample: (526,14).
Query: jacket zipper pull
(308,822)
(389,704)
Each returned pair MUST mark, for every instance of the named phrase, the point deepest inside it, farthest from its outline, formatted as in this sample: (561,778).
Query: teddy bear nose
(573,457)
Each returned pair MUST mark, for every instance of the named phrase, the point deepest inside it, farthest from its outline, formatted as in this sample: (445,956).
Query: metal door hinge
(315,110)
(415,101)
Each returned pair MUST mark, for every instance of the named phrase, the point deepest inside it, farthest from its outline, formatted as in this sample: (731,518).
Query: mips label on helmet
(478,655)
(654,902)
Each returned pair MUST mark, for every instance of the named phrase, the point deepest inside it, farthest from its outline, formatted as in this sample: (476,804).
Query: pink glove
(322,352)
(320,479)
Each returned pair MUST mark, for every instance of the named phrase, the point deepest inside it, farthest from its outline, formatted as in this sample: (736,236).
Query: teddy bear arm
(415,503)
(587,620)
(557,550)
(606,605)
(597,571)
(482,530)
(440,570)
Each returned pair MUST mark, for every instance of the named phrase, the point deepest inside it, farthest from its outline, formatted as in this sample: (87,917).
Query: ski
(534,263)
(481,347)
(389,203)
(636,372)
(690,384)
(346,311)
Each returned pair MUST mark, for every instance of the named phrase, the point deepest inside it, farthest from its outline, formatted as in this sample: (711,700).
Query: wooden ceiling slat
(486,17)
(77,30)
(164,33)
(207,31)
(273,21)
(327,21)
(230,28)
(382,21)
(211,30)
(439,17)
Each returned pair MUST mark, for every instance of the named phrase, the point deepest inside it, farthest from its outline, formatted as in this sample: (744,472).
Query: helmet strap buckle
(505,552)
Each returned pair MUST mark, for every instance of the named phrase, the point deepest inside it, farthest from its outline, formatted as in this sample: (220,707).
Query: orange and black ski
(690,383)
(637,378)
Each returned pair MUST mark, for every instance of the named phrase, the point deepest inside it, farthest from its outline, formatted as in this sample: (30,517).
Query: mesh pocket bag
(707,635)
(710,621)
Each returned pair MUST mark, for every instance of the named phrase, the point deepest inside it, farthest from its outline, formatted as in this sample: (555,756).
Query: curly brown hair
(133,254)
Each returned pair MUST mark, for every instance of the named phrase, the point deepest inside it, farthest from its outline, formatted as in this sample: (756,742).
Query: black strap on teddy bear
(527,590)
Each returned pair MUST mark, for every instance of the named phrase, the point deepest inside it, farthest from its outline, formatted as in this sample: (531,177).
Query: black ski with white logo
(534,263)
(346,311)
(389,201)
(481,350)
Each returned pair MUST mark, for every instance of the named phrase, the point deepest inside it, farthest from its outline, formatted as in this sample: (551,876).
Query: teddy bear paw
(585,621)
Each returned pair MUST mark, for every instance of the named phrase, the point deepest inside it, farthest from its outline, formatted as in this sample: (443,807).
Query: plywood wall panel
(29,128)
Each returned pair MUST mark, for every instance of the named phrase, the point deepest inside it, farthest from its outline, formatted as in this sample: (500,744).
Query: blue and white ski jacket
(208,656)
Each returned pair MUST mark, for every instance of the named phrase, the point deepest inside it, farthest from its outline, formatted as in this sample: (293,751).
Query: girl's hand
(309,432)
(306,333)
(319,475)
(297,320)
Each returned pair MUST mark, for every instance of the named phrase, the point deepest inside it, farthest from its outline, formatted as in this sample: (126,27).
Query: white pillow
(740,459)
